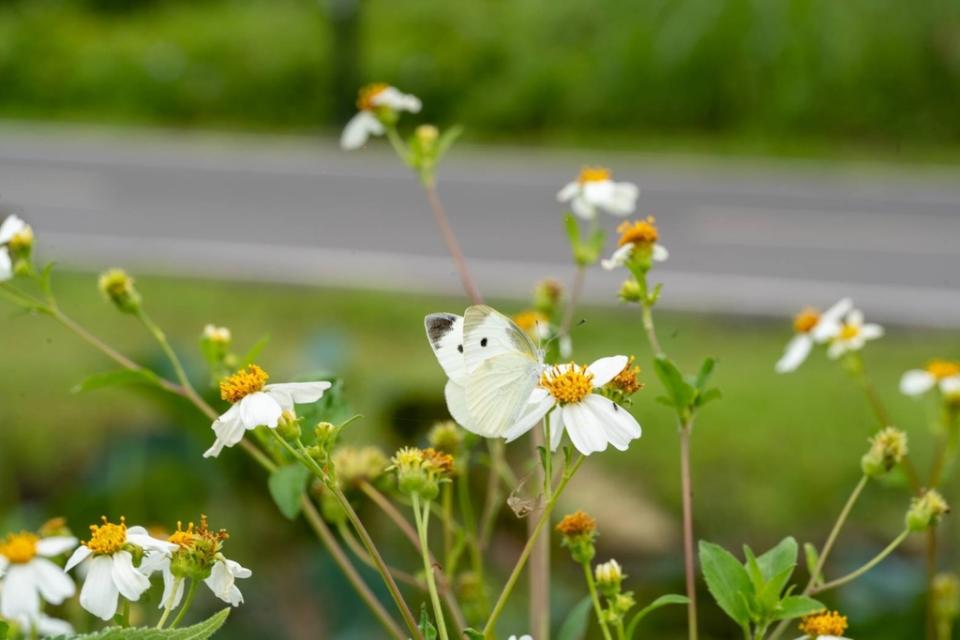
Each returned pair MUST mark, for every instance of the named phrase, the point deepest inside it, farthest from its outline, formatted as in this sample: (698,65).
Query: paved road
(743,236)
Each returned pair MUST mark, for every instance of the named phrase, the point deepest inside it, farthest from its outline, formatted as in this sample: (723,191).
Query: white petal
(836,349)
(660,253)
(397,100)
(618,257)
(796,352)
(618,424)
(582,208)
(855,317)
(52,627)
(259,409)
(55,545)
(359,129)
(154,561)
(169,584)
(599,192)
(99,593)
(11,227)
(568,192)
(55,586)
(871,331)
(138,535)
(916,382)
(532,414)
(556,429)
(623,199)
(826,329)
(221,581)
(130,582)
(585,432)
(290,393)
(950,386)
(839,309)
(6,267)
(606,369)
(19,595)
(81,554)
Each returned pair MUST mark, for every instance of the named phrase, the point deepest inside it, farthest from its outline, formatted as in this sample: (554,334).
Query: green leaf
(727,581)
(45,278)
(796,607)
(473,634)
(681,391)
(116,378)
(813,558)
(287,486)
(447,138)
(753,569)
(426,626)
(575,625)
(572,228)
(254,352)
(4,628)
(781,557)
(200,631)
(708,396)
(662,601)
(706,370)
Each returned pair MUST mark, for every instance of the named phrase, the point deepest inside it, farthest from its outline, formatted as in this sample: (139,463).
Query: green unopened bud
(446,437)
(945,598)
(117,287)
(20,247)
(609,575)
(427,134)
(631,291)
(622,604)
(326,434)
(926,511)
(547,296)
(578,531)
(887,449)
(288,426)
(354,465)
(411,477)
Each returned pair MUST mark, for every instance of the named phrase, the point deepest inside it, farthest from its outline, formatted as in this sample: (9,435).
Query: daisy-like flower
(14,228)
(827,625)
(812,327)
(944,374)
(850,334)
(44,625)
(534,324)
(29,576)
(638,242)
(594,189)
(110,569)
(379,105)
(591,420)
(256,403)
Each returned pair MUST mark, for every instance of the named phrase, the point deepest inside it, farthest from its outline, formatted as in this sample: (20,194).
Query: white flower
(29,575)
(45,626)
(6,266)
(526,636)
(850,335)
(256,404)
(110,570)
(939,373)
(11,227)
(591,420)
(221,580)
(214,333)
(812,328)
(595,189)
(375,99)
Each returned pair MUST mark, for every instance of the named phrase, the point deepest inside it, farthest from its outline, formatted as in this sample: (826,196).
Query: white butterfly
(492,366)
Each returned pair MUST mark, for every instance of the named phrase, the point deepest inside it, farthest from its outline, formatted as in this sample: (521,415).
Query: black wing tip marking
(438,325)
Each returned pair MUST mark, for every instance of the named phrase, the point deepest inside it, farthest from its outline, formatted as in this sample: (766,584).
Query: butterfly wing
(487,333)
(497,390)
(445,333)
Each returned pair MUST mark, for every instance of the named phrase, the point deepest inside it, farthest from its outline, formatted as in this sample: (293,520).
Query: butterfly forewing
(445,333)
(488,333)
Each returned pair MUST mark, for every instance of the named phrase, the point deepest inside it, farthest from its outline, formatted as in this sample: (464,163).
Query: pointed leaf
(753,569)
(813,558)
(254,352)
(199,631)
(447,138)
(706,370)
(727,581)
(287,486)
(796,607)
(672,379)
(662,601)
(116,378)
(574,627)
(782,556)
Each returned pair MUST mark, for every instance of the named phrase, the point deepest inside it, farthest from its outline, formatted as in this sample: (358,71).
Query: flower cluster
(841,328)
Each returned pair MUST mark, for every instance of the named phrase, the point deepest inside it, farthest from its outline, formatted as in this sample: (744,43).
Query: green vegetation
(864,71)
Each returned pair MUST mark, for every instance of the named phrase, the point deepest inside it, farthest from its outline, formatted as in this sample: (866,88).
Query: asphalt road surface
(748,237)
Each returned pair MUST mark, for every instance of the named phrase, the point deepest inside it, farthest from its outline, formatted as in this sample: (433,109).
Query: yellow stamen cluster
(639,232)
(806,320)
(243,383)
(594,174)
(408,458)
(355,465)
(189,537)
(576,524)
(568,385)
(941,369)
(107,538)
(21,240)
(368,93)
(437,462)
(827,623)
(849,332)
(531,322)
(626,381)
(19,548)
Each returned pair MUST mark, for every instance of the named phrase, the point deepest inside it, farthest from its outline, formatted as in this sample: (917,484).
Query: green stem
(191,592)
(834,533)
(125,613)
(597,608)
(399,146)
(168,605)
(422,517)
(525,554)
(446,504)
(850,577)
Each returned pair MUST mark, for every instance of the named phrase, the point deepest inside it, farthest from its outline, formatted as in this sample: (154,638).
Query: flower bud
(289,426)
(578,531)
(609,575)
(427,134)
(945,598)
(622,603)
(887,449)
(408,463)
(631,291)
(117,287)
(926,511)
(326,434)
(446,437)
(547,296)
(354,465)
(20,247)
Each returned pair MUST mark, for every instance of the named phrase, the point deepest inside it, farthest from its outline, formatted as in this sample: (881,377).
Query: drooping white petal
(288,394)
(79,555)
(10,227)
(139,536)
(172,590)
(585,431)
(229,430)
(569,191)
(660,253)
(796,352)
(99,593)
(359,129)
(530,416)
(19,595)
(222,581)
(259,409)
(49,627)
(130,583)
(55,545)
(55,586)
(397,100)
(871,331)
(556,429)
(619,425)
(618,258)
(606,369)
(6,267)
(916,382)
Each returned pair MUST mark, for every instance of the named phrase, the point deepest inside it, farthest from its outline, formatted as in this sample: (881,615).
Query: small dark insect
(483,342)
(460,348)
(615,407)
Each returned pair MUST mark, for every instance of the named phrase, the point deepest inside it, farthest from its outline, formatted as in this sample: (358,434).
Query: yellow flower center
(849,332)
(626,381)
(639,232)
(530,321)
(190,537)
(23,239)
(594,174)
(368,93)
(19,548)
(806,320)
(941,369)
(568,386)
(824,624)
(243,383)
(107,538)
(577,524)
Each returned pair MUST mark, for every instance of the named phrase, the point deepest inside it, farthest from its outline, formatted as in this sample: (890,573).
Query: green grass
(776,456)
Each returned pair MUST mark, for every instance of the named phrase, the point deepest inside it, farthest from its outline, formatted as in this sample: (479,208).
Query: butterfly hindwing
(497,390)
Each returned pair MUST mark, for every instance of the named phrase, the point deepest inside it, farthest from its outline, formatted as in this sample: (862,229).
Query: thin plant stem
(191,593)
(125,613)
(576,291)
(539,573)
(168,605)
(931,565)
(446,505)
(597,608)
(688,554)
(646,311)
(453,245)
(422,516)
(354,545)
(528,548)
(161,339)
(877,559)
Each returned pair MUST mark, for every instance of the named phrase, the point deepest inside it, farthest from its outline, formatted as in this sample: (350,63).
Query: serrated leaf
(753,569)
(727,581)
(287,486)
(574,627)
(662,601)
(812,557)
(681,391)
(781,557)
(796,607)
(116,378)
(199,631)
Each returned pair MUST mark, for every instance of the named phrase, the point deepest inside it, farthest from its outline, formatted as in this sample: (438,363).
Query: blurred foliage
(866,70)
(776,456)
